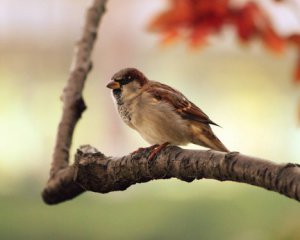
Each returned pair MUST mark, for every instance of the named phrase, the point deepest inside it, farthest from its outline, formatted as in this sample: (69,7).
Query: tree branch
(72,95)
(95,172)
(73,103)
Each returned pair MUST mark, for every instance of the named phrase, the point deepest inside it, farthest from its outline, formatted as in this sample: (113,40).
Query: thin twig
(74,104)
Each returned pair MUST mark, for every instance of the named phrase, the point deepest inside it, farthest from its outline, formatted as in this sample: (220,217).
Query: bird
(159,113)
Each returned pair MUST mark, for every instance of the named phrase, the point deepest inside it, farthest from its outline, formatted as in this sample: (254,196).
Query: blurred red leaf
(244,20)
(196,20)
(272,41)
(295,38)
(169,37)
(179,14)
(199,35)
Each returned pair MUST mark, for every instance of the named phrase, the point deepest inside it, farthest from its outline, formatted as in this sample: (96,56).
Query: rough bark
(93,171)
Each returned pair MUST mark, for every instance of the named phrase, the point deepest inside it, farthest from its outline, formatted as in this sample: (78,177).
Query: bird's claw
(157,150)
(139,150)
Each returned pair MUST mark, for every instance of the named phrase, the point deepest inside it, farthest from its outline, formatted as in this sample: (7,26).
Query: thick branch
(95,172)
(72,95)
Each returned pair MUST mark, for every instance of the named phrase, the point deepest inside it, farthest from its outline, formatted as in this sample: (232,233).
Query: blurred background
(246,90)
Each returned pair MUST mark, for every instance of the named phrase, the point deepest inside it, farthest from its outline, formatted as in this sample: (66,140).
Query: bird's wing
(181,104)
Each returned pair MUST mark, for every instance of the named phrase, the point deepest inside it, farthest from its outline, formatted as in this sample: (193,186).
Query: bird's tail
(207,138)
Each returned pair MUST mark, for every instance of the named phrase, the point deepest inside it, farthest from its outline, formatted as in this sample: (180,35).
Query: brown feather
(203,135)
(183,106)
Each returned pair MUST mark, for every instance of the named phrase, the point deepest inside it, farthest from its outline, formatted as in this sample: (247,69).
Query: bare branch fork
(72,99)
(93,171)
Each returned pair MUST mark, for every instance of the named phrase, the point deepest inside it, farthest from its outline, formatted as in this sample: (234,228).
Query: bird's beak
(113,85)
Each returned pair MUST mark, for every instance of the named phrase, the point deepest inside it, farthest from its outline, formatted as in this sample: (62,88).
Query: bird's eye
(125,80)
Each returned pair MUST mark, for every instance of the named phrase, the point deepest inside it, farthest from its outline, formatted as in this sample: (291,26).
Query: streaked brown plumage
(160,113)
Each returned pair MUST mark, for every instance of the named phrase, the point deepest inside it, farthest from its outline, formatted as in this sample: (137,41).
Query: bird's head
(127,83)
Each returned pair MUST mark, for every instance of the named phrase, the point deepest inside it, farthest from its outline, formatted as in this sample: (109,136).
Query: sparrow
(161,114)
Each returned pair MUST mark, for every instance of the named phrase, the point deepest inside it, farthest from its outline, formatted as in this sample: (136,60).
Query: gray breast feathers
(125,113)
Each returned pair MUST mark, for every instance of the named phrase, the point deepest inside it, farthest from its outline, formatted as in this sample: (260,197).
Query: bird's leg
(139,150)
(157,150)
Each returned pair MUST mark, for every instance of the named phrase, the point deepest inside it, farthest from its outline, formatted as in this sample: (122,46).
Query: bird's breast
(125,112)
(158,123)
